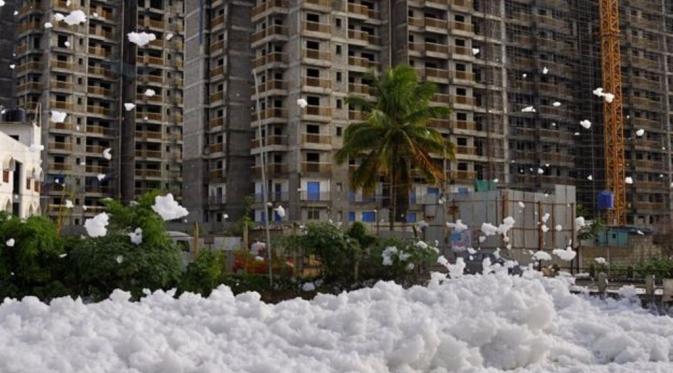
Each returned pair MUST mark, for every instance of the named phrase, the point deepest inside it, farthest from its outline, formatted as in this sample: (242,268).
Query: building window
(313,214)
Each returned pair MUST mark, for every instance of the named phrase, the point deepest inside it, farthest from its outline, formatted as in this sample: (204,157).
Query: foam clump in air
(97,226)
(168,208)
(141,38)
(76,17)
(58,116)
(458,226)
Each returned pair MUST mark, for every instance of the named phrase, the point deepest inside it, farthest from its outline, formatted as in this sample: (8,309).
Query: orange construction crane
(612,111)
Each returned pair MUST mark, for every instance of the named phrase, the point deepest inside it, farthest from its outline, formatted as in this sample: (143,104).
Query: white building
(20,170)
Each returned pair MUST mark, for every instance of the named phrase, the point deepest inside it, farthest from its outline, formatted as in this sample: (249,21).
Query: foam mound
(488,323)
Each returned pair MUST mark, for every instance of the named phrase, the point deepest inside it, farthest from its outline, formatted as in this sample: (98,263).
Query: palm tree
(395,139)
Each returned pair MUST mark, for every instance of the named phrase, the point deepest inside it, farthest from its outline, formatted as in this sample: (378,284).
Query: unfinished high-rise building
(7,60)
(117,96)
(518,74)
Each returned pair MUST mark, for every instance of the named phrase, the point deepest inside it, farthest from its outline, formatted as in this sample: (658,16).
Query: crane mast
(612,112)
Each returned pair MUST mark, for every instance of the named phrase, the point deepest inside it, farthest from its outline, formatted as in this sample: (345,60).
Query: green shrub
(113,262)
(406,260)
(659,267)
(338,253)
(204,274)
(106,263)
(33,266)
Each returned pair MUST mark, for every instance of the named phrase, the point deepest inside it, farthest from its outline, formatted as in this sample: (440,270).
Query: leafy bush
(399,260)
(33,265)
(659,267)
(338,252)
(110,262)
(204,274)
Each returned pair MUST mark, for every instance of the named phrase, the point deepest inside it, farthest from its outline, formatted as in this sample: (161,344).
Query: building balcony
(99,71)
(61,105)
(96,169)
(217,71)
(317,55)
(363,89)
(217,45)
(272,170)
(271,58)
(363,11)
(317,27)
(151,60)
(62,126)
(362,62)
(59,146)
(60,167)
(272,85)
(100,52)
(35,26)
(95,149)
(270,141)
(144,153)
(642,62)
(433,73)
(317,83)
(96,31)
(318,3)
(217,175)
(316,167)
(217,21)
(276,31)
(307,196)
(276,5)
(216,148)
(99,110)
(144,115)
(29,66)
(30,86)
(459,26)
(148,135)
(217,96)
(462,100)
(273,197)
(645,103)
(97,189)
(271,113)
(153,23)
(95,90)
(649,164)
(99,130)
(318,112)
(148,173)
(364,36)
(316,138)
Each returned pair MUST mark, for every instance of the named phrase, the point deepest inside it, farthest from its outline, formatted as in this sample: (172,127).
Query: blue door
(351,216)
(368,216)
(313,190)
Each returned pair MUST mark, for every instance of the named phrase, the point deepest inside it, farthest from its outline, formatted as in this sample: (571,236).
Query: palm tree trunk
(393,199)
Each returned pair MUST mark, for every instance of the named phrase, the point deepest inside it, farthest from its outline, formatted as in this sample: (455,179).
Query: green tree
(395,138)
(31,264)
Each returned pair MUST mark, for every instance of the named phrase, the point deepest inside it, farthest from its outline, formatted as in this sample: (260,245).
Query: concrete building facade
(90,71)
(492,61)
(20,169)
